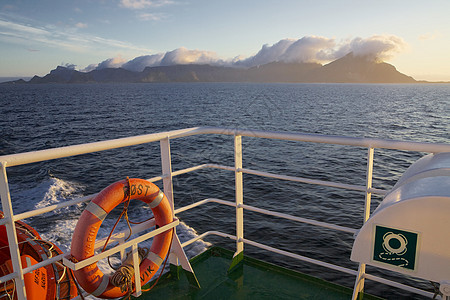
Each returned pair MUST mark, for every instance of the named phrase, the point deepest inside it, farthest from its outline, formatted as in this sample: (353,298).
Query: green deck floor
(254,280)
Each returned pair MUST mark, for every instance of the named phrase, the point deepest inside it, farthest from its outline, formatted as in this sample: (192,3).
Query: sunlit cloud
(115,62)
(322,50)
(140,4)
(306,49)
(377,47)
(141,62)
(81,25)
(186,56)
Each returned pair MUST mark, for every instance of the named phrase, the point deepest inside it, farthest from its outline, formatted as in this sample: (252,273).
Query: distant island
(348,69)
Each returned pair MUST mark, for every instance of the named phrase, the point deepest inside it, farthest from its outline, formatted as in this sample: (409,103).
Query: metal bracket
(182,260)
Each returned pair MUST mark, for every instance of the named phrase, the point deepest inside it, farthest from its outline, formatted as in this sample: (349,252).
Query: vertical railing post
(239,195)
(11,233)
(359,283)
(166,165)
(177,256)
(137,282)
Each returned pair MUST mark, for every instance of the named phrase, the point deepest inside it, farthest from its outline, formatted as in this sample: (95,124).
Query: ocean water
(35,117)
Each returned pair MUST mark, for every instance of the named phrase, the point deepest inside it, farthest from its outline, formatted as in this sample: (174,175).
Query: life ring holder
(91,278)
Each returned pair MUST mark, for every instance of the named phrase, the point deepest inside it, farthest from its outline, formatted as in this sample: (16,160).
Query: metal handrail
(7,161)
(49,154)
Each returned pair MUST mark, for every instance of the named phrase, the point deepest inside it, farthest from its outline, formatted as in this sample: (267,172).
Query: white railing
(167,175)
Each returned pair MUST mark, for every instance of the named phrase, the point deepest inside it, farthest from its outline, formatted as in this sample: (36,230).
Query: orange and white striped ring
(90,277)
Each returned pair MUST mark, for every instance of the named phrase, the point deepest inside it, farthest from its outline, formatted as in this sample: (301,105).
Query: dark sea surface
(35,117)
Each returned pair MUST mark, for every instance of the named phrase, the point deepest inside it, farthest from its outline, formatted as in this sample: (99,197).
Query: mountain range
(348,69)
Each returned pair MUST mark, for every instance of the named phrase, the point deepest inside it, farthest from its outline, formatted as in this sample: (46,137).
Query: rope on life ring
(90,277)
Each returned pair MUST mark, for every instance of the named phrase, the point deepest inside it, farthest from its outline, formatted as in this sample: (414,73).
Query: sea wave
(57,190)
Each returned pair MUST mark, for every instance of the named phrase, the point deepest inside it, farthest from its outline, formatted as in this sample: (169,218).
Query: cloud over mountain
(183,56)
(139,63)
(306,49)
(378,47)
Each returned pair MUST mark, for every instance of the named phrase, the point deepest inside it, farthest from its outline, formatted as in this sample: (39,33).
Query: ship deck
(253,279)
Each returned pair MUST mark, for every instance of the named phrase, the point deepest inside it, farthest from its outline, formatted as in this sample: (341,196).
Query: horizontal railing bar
(309,181)
(187,170)
(330,139)
(222,167)
(275,250)
(42,155)
(50,208)
(157,178)
(299,219)
(117,237)
(40,211)
(377,191)
(283,177)
(205,234)
(301,257)
(9,277)
(201,167)
(204,201)
(268,212)
(398,285)
(109,252)
(76,201)
(98,244)
(43,263)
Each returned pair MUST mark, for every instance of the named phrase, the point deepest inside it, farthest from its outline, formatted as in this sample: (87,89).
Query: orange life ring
(90,277)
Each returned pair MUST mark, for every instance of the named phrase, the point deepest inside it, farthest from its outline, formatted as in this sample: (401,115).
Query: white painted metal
(418,207)
(109,252)
(164,138)
(318,262)
(299,219)
(239,193)
(359,282)
(205,234)
(190,206)
(369,173)
(315,181)
(301,257)
(166,165)
(177,256)
(11,232)
(399,285)
(137,274)
(43,155)
(180,254)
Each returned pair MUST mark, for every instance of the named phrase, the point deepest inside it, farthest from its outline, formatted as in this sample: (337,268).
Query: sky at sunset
(37,36)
